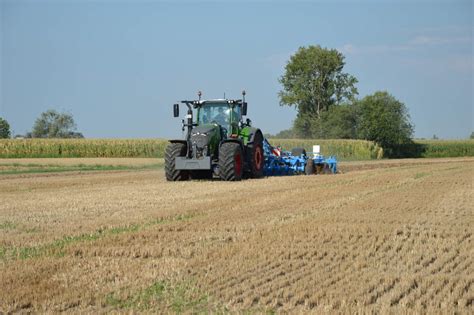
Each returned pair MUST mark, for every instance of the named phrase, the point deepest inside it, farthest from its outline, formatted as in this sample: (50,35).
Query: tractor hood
(202,135)
(203,129)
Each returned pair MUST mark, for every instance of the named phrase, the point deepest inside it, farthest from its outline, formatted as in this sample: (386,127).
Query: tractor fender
(253,132)
(179,141)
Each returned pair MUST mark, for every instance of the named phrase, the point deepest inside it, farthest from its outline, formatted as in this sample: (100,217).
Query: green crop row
(436,148)
(52,148)
(342,149)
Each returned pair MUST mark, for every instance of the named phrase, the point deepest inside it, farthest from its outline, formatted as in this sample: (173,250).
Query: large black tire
(309,168)
(231,162)
(256,157)
(172,151)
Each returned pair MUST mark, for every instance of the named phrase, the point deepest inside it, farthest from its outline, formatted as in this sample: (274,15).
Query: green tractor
(218,143)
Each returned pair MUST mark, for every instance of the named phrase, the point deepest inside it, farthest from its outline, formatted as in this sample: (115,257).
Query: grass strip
(8,225)
(179,297)
(35,168)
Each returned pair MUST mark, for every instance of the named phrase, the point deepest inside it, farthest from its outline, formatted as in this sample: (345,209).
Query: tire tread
(172,151)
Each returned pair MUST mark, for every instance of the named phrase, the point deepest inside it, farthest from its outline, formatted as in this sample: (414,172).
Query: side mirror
(244,108)
(176,110)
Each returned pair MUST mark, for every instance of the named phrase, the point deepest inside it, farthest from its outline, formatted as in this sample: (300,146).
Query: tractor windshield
(220,113)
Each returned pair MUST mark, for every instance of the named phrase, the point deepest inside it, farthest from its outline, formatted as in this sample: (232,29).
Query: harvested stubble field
(387,236)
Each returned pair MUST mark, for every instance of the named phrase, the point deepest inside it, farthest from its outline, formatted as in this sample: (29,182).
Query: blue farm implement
(296,162)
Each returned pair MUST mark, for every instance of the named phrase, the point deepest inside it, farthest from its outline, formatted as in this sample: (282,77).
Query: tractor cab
(217,142)
(225,113)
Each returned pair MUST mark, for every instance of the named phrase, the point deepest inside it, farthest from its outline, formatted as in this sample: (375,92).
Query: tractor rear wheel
(231,162)
(255,156)
(174,150)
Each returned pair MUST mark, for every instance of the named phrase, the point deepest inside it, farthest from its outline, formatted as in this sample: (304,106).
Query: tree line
(325,97)
(50,124)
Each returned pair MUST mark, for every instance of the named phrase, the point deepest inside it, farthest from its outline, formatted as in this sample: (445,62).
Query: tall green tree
(339,122)
(384,119)
(51,124)
(285,134)
(313,82)
(5,132)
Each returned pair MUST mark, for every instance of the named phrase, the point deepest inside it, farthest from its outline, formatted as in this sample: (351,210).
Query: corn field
(343,149)
(438,148)
(44,148)
(51,148)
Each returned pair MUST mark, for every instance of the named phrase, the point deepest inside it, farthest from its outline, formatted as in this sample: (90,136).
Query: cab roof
(197,103)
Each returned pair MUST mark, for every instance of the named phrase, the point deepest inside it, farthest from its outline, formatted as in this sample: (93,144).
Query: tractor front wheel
(174,150)
(231,162)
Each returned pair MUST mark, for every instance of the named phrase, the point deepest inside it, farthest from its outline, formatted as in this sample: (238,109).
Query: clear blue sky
(118,66)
